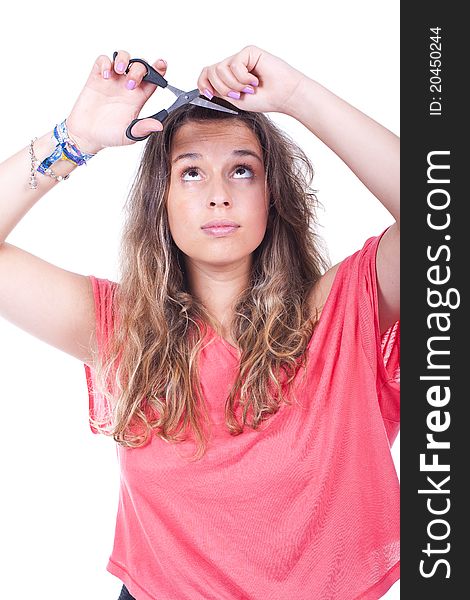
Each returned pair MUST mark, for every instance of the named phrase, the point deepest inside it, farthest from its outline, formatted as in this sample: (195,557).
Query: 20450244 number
(435,81)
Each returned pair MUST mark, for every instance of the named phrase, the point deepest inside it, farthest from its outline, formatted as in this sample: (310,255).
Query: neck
(218,287)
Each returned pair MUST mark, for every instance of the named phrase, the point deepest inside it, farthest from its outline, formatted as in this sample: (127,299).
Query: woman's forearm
(16,197)
(370,150)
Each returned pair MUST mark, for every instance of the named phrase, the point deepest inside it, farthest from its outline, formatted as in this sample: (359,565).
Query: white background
(60,482)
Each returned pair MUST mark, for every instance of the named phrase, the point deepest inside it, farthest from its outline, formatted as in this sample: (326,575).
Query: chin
(224,258)
(227,259)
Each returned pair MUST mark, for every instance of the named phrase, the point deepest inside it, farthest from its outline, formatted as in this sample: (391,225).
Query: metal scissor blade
(212,105)
(175,90)
(183,98)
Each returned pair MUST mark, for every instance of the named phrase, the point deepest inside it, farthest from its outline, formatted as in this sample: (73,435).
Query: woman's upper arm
(50,303)
(388,277)
(388,280)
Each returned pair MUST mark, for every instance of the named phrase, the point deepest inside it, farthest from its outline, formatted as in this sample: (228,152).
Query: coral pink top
(306,508)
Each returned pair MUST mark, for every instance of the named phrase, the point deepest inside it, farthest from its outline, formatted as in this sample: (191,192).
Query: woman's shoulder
(321,290)
(359,262)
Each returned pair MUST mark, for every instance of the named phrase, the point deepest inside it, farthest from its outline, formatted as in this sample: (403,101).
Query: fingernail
(120,67)
(234,95)
(130,85)
(106,74)
(254,83)
(248,90)
(162,62)
(208,94)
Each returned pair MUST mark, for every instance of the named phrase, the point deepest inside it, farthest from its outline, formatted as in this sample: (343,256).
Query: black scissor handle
(152,75)
(159,116)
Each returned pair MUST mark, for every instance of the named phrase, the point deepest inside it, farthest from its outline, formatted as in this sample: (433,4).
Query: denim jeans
(124,595)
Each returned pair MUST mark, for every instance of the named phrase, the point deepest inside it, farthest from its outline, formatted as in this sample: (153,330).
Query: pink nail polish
(106,74)
(248,90)
(130,85)
(254,83)
(234,95)
(120,67)
(208,94)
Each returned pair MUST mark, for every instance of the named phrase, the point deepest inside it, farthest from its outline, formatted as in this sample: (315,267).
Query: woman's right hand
(106,105)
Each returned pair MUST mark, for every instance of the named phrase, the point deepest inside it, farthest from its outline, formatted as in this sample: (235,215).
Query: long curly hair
(148,372)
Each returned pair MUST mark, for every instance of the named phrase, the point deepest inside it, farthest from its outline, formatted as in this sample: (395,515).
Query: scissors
(192,97)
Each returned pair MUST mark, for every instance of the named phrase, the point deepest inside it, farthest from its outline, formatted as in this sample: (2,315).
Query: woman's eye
(243,171)
(190,174)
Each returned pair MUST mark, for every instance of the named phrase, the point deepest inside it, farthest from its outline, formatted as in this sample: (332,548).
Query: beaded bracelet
(65,149)
(33,182)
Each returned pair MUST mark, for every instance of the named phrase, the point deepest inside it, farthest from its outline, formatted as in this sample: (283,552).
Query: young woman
(252,391)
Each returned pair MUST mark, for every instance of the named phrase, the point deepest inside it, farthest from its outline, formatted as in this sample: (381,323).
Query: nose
(219,202)
(219,195)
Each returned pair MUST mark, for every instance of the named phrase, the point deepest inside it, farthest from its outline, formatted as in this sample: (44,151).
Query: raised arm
(53,304)
(370,150)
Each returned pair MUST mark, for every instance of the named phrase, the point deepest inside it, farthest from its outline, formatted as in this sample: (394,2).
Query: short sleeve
(103,292)
(382,351)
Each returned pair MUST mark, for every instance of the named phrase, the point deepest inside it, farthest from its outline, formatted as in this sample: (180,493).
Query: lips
(220,227)
(220,223)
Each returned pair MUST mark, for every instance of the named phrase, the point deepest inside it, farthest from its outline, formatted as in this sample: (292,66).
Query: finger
(121,61)
(214,82)
(245,83)
(241,73)
(148,88)
(137,72)
(204,85)
(146,126)
(225,74)
(161,65)
(102,66)
(226,83)
(134,76)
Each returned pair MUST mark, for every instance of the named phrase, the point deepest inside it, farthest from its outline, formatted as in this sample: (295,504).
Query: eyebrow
(241,152)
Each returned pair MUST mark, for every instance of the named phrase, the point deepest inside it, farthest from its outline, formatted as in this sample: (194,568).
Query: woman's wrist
(302,102)
(79,137)
(85,146)
(65,149)
(41,149)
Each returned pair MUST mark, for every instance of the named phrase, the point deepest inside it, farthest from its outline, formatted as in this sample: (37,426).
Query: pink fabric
(308,507)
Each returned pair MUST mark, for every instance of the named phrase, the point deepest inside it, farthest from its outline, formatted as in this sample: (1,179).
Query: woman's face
(218,200)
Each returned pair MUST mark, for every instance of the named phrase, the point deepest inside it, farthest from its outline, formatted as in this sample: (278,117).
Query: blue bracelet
(64,150)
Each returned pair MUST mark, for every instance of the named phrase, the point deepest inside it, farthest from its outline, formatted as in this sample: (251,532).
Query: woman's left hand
(253,80)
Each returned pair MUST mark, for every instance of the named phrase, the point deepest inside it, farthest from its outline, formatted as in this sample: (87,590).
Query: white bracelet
(33,182)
